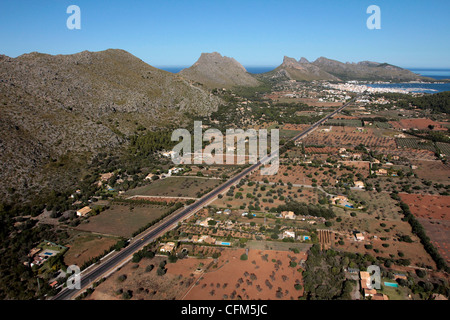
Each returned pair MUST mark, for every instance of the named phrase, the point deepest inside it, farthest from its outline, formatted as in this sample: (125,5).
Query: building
(381,172)
(204,223)
(380,296)
(400,276)
(359,184)
(366,284)
(359,236)
(288,215)
(83,211)
(288,234)
(168,247)
(339,199)
(106,176)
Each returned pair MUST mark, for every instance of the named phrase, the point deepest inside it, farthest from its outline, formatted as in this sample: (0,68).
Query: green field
(415,144)
(123,220)
(277,245)
(176,187)
(345,122)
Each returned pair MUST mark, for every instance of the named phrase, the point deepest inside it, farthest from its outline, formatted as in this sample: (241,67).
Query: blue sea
(414,87)
(437,74)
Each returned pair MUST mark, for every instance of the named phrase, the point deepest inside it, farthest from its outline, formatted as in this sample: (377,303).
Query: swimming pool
(391,284)
(349,206)
(225,243)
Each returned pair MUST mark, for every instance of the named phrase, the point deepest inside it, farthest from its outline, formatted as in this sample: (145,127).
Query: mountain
(366,70)
(292,69)
(216,71)
(54,105)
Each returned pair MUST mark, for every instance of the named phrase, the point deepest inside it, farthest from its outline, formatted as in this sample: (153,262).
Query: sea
(435,73)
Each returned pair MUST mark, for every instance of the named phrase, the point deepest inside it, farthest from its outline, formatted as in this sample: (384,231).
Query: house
(356,156)
(359,184)
(207,239)
(342,150)
(106,176)
(366,284)
(288,215)
(34,251)
(400,276)
(339,199)
(83,211)
(381,172)
(288,234)
(359,236)
(168,247)
(204,223)
(226,211)
(170,154)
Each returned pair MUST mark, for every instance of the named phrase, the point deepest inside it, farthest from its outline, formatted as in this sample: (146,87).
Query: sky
(413,34)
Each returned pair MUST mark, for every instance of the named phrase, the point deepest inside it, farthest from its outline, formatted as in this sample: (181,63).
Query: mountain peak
(217,71)
(303,60)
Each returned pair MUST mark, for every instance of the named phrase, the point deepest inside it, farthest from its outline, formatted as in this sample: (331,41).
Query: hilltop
(216,71)
(366,70)
(292,69)
(88,102)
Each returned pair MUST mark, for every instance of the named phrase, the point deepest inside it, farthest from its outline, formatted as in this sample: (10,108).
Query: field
(264,275)
(324,149)
(433,212)
(345,122)
(444,147)
(147,285)
(123,220)
(176,187)
(84,246)
(381,226)
(411,154)
(272,200)
(349,136)
(306,175)
(421,124)
(414,143)
(432,170)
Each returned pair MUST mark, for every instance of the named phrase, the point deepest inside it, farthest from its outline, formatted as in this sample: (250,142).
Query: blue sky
(256,33)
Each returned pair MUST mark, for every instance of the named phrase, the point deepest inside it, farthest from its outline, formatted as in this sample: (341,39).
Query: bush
(244,256)
(122,278)
(160,271)
(298,287)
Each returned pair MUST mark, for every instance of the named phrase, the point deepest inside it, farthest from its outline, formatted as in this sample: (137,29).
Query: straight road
(107,266)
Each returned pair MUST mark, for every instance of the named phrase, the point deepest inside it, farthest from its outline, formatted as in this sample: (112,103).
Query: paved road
(109,265)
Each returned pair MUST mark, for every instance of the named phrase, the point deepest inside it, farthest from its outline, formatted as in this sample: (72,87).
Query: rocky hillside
(82,103)
(292,69)
(366,70)
(216,71)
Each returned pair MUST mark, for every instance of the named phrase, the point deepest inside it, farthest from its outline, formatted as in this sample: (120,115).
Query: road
(110,264)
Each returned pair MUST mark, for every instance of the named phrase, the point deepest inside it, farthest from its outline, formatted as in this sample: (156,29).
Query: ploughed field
(433,212)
